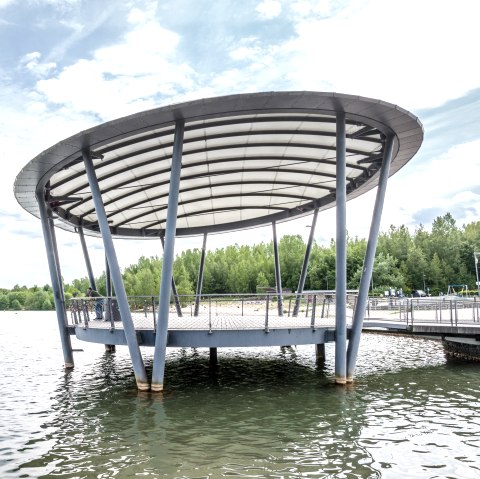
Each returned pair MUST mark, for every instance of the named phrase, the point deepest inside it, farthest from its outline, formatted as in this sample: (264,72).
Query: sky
(69,65)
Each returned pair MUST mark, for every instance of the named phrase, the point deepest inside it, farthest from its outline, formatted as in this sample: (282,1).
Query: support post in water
(341,255)
(161,337)
(128,326)
(359,315)
(55,277)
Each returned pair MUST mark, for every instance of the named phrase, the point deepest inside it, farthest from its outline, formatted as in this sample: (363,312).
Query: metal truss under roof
(247,160)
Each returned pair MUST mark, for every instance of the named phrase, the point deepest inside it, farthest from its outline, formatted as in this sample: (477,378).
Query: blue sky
(67,65)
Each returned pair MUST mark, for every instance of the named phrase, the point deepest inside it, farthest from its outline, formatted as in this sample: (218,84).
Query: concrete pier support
(158,371)
(128,326)
(320,352)
(359,313)
(56,278)
(341,255)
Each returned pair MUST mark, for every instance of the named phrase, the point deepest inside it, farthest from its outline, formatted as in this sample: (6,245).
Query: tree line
(404,260)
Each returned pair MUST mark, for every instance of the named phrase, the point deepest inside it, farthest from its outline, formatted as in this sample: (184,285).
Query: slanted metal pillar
(200,275)
(108,306)
(128,326)
(359,314)
(108,279)
(341,255)
(278,276)
(178,307)
(306,260)
(158,371)
(91,277)
(55,277)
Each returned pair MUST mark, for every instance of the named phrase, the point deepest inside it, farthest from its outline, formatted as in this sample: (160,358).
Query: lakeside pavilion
(210,166)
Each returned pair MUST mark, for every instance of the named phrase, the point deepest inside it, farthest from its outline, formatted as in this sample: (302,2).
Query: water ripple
(262,413)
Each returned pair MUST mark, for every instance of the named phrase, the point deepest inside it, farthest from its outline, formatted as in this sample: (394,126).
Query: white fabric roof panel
(247,160)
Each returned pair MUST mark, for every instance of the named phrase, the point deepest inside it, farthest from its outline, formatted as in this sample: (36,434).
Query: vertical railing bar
(210,315)
(267,300)
(314,306)
(153,312)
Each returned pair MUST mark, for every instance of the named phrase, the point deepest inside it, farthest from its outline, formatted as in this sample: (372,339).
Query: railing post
(153,312)
(266,313)
(314,307)
(210,314)
(451,313)
(85,313)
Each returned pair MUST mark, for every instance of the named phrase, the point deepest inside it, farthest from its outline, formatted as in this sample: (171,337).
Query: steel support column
(359,314)
(128,326)
(278,276)
(55,278)
(158,371)
(174,287)
(108,278)
(306,260)
(88,264)
(200,276)
(341,254)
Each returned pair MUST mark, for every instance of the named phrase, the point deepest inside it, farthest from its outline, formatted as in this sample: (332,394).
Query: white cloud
(31,62)
(122,78)
(397,51)
(269,9)
(414,54)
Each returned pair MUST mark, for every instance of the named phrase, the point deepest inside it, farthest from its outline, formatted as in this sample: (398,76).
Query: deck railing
(449,310)
(213,312)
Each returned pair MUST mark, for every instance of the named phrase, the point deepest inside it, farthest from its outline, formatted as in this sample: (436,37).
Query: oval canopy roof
(247,160)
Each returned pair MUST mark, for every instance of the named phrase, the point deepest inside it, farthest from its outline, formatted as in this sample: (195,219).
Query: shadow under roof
(247,160)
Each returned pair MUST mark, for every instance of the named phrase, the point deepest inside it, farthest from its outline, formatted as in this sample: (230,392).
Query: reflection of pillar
(359,315)
(174,287)
(128,326)
(278,276)
(167,266)
(91,278)
(341,255)
(55,277)
(306,260)
(213,357)
(200,276)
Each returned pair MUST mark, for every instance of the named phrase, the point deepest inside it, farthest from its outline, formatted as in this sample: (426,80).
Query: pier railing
(449,310)
(214,312)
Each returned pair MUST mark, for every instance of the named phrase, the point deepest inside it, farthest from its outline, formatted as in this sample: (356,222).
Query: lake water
(264,413)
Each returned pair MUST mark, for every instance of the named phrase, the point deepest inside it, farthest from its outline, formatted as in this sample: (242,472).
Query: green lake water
(263,413)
